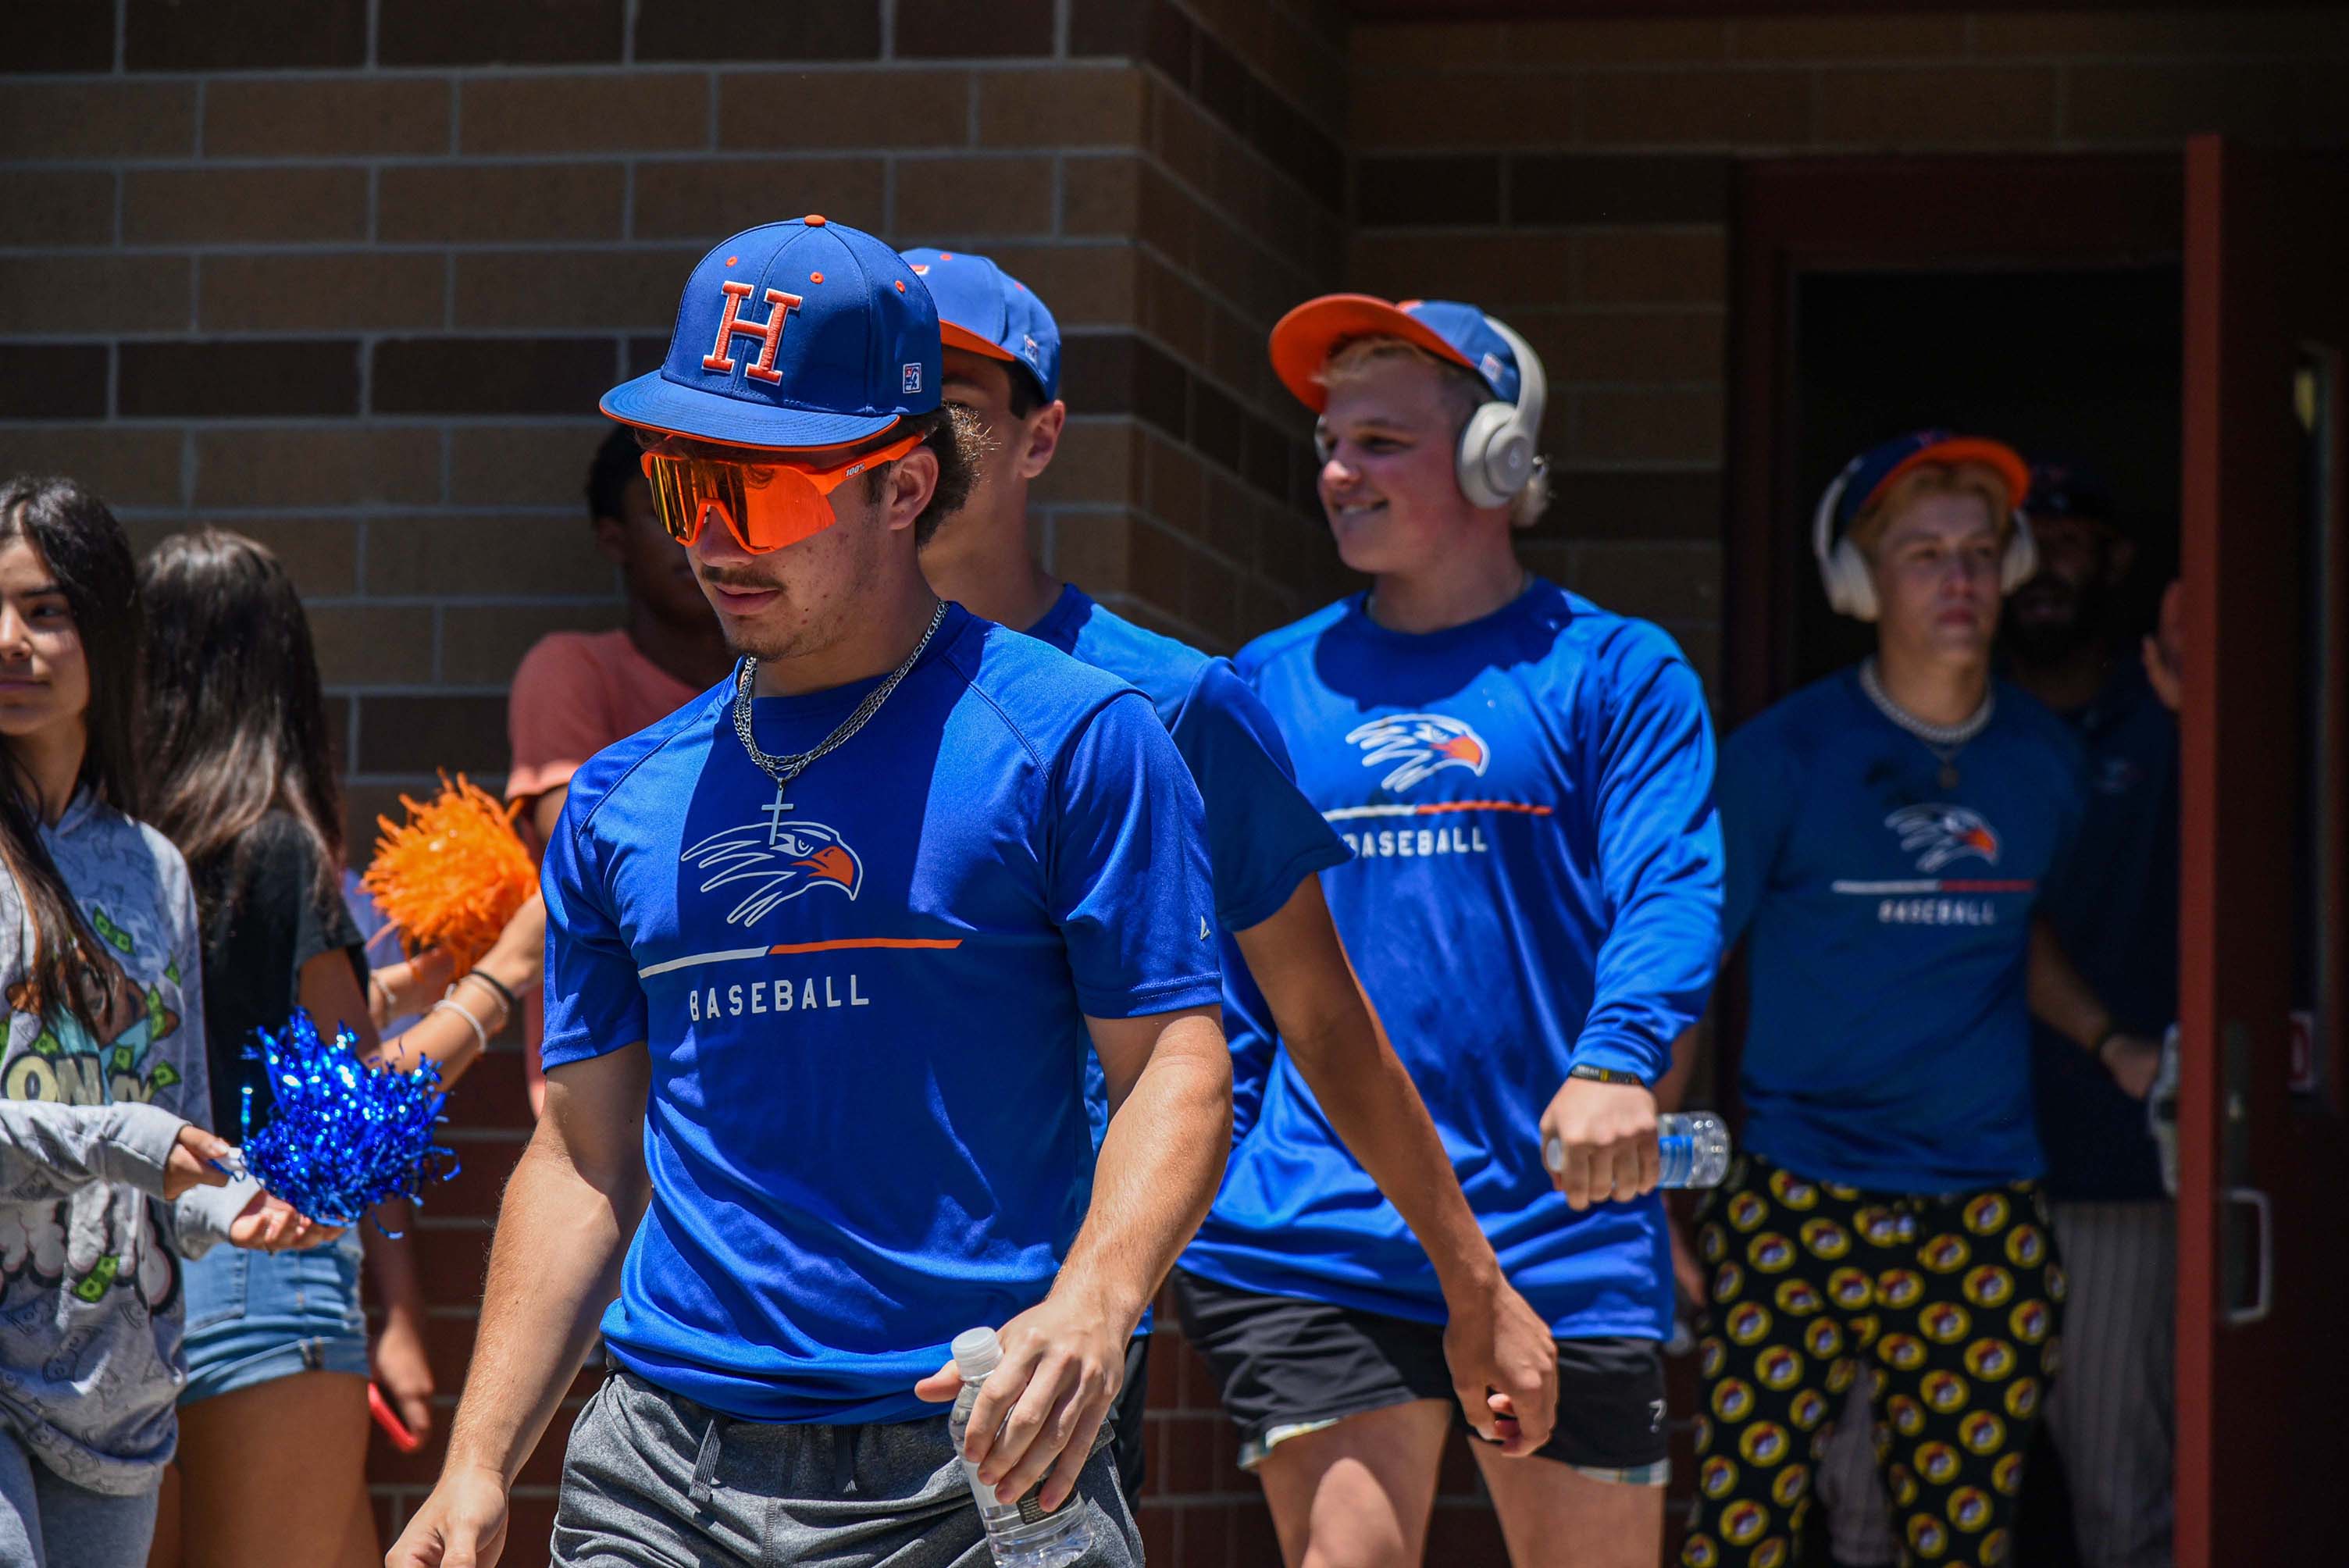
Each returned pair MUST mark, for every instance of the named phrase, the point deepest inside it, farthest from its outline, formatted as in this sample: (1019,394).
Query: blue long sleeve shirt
(1536,882)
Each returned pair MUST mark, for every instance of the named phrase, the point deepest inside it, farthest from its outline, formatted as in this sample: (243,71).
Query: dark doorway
(2079,365)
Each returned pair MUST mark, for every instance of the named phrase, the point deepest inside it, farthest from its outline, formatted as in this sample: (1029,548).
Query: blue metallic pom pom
(344,1135)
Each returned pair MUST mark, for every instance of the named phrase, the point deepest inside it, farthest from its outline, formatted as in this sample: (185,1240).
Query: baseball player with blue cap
(1894,835)
(1525,779)
(829,950)
(1268,845)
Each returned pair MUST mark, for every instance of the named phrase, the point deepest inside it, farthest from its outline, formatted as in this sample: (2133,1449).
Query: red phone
(387,1417)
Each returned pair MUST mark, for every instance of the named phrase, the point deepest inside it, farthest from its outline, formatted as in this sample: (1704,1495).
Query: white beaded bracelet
(481,1034)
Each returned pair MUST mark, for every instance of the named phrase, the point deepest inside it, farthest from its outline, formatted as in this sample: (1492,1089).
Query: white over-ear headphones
(1496,458)
(1843,570)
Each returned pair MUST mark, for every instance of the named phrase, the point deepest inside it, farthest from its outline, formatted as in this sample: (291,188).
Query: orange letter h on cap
(769,332)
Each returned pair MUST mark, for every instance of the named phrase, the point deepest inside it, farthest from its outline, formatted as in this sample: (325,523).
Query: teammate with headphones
(1532,909)
(1890,833)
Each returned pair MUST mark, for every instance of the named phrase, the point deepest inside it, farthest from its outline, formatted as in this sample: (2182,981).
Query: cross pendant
(774,814)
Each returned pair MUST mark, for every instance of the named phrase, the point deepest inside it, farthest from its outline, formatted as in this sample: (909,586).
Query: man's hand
(268,1224)
(1599,1141)
(190,1162)
(1503,1368)
(1063,1361)
(462,1525)
(403,1372)
(2163,650)
(2133,1061)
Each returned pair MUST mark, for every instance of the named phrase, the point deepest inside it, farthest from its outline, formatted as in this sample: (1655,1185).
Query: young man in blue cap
(1892,834)
(1284,970)
(827,951)
(1527,781)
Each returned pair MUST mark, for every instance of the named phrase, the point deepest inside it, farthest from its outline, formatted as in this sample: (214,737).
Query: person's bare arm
(545,810)
(396,1352)
(573,1201)
(1169,1094)
(1504,1361)
(329,990)
(2066,1004)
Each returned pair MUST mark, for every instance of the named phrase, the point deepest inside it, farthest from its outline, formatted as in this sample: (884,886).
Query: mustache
(726,579)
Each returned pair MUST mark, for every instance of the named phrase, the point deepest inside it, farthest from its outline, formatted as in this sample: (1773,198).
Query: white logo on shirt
(1937,835)
(780,859)
(1420,744)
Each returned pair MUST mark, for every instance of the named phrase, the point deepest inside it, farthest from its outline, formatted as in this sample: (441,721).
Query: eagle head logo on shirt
(1418,745)
(1937,835)
(774,861)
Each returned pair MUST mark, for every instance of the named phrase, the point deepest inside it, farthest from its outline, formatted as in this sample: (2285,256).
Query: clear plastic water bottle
(1020,1535)
(1692,1147)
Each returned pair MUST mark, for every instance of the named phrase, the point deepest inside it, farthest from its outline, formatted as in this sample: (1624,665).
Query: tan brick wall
(348,276)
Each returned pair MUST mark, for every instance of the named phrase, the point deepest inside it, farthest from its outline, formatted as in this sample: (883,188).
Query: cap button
(813,220)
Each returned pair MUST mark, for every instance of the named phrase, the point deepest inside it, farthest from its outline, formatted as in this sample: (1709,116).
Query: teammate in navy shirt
(827,950)
(1892,833)
(1525,779)
(1266,843)
(2112,1413)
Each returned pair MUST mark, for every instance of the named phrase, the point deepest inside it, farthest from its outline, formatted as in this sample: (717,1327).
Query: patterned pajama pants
(1948,1305)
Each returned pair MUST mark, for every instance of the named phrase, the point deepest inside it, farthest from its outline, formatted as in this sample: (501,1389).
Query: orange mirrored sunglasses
(765,506)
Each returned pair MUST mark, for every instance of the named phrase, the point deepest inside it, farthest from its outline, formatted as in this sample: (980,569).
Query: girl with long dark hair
(105,1163)
(240,775)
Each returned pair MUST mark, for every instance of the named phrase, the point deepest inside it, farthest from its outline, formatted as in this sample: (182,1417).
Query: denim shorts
(255,1317)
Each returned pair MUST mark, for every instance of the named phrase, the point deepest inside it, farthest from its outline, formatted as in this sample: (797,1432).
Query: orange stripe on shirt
(783,948)
(1433,808)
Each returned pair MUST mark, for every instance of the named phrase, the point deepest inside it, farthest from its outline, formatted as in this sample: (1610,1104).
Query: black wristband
(1605,1075)
(504,994)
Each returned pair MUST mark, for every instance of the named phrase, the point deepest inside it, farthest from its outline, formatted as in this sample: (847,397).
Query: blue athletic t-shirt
(2115,913)
(1535,883)
(866,1013)
(1889,1045)
(1264,837)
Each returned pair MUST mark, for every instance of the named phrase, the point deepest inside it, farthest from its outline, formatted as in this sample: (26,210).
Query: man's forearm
(554,1268)
(2060,998)
(1157,1171)
(1368,1094)
(1332,1033)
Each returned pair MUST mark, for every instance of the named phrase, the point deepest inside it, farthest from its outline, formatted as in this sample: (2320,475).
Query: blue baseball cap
(986,310)
(2070,489)
(1870,475)
(806,333)
(1303,340)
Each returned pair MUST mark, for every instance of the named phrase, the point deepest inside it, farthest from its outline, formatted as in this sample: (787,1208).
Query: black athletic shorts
(1286,1367)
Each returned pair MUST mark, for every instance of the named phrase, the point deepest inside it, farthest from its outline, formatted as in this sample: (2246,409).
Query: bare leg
(1553,1513)
(164,1550)
(1358,1494)
(272,1474)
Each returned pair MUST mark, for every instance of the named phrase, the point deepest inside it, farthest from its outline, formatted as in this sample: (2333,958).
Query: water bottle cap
(976,1353)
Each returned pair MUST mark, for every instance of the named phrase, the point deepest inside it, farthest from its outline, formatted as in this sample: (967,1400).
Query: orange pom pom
(454,874)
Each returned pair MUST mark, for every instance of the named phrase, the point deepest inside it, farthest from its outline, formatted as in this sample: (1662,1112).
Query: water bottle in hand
(1692,1150)
(1020,1535)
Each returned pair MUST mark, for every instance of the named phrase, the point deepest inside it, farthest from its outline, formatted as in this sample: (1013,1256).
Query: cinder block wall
(348,276)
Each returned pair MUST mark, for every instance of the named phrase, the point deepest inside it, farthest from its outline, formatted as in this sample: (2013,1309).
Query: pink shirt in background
(575,693)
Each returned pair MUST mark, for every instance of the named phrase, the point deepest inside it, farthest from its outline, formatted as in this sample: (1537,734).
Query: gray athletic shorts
(653,1480)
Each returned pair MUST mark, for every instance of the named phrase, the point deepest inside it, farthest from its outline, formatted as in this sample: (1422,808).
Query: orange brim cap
(954,337)
(1996,456)
(1303,340)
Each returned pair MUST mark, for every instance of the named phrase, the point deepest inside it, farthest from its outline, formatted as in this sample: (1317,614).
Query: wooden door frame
(2028,212)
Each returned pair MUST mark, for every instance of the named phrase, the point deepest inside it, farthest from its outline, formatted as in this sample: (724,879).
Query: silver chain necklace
(1943,740)
(783,769)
